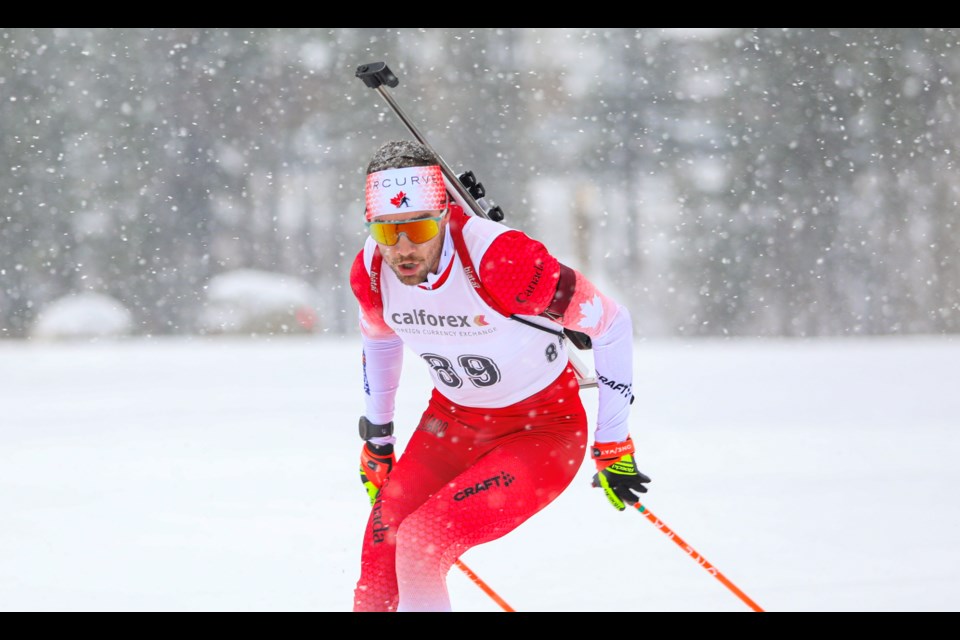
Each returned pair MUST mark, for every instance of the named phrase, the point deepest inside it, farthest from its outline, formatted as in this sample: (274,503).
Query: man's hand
(617,473)
(376,461)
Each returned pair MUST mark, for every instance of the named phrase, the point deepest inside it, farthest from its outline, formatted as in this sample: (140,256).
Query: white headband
(409,189)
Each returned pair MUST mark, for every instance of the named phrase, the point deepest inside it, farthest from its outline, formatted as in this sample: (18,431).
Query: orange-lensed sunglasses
(418,231)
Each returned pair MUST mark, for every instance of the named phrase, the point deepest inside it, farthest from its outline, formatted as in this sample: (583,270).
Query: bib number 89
(479,370)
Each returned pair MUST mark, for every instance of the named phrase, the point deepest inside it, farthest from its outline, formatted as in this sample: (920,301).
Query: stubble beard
(425,265)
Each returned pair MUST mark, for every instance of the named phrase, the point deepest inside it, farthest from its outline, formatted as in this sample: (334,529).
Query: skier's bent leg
(493,497)
(408,485)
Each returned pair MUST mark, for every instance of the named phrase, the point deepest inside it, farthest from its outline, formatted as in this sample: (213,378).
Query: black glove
(376,461)
(617,473)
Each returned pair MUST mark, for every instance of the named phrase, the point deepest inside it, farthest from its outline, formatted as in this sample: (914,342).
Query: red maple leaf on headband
(400,199)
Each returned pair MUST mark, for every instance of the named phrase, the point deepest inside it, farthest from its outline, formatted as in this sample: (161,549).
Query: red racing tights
(467,476)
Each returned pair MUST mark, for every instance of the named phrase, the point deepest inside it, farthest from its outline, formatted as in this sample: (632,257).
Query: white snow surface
(220,474)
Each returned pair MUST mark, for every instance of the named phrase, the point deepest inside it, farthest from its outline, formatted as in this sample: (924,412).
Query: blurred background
(719,182)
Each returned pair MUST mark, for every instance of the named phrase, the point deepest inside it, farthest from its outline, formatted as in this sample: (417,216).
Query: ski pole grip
(376,74)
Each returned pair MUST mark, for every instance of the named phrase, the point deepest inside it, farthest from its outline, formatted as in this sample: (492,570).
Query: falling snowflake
(592,312)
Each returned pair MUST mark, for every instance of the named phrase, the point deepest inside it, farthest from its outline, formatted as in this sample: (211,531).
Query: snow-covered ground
(221,475)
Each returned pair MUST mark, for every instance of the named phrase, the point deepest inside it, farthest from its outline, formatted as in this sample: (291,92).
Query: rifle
(468,192)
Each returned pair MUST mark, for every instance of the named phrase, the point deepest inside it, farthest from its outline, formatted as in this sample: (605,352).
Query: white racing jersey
(478,356)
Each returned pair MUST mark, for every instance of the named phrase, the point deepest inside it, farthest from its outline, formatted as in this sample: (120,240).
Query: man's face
(410,261)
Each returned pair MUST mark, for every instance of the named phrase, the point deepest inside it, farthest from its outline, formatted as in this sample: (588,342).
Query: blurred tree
(792,182)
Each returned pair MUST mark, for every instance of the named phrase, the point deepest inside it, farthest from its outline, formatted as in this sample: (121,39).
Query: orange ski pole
(696,556)
(483,585)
